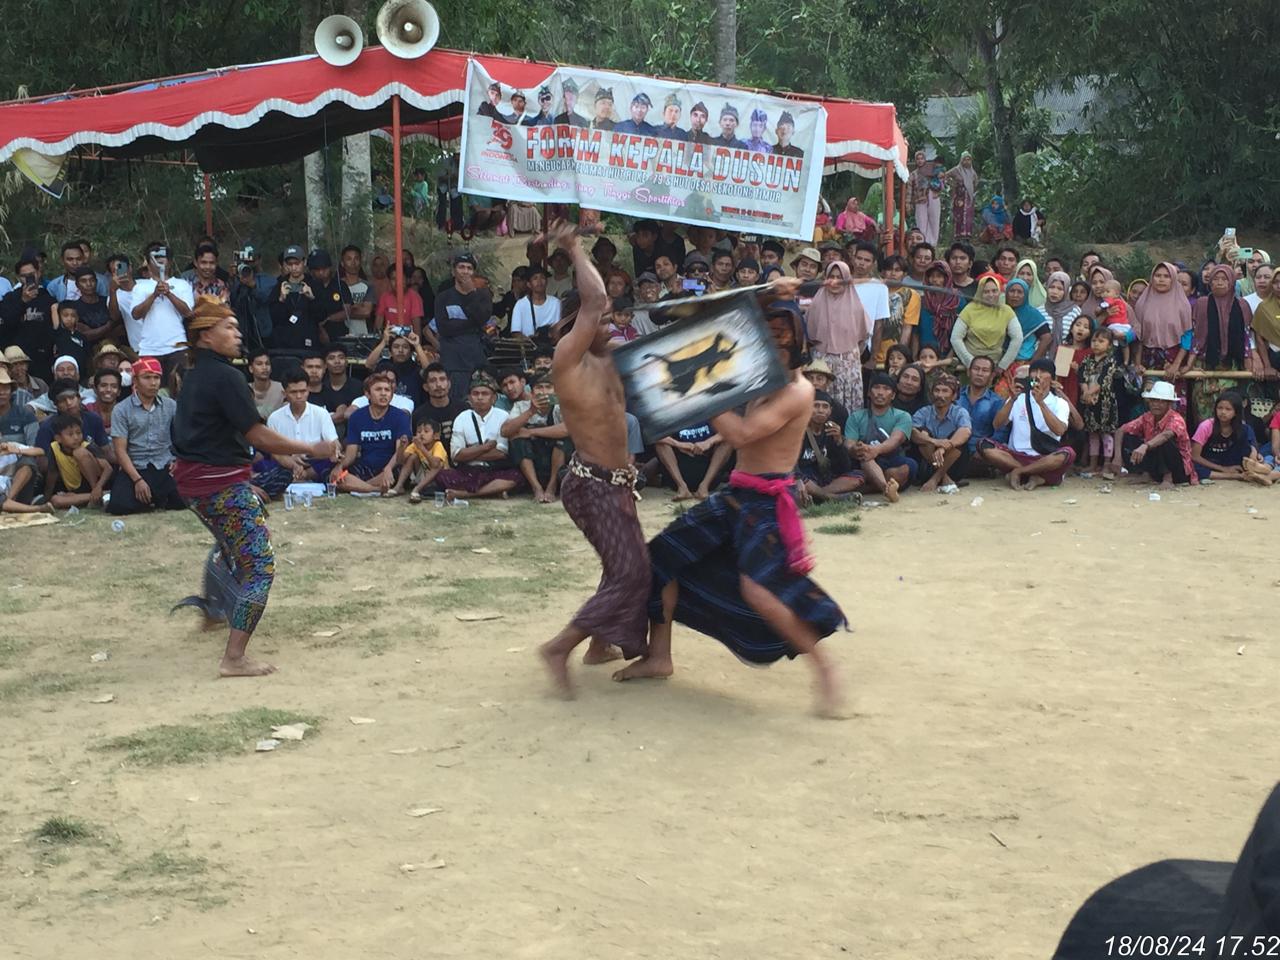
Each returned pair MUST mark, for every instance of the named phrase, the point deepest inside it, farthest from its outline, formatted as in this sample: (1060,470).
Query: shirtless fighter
(599,491)
(734,567)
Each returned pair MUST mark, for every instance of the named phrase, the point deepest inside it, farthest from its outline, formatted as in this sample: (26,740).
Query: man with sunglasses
(697,272)
(161,302)
(25,319)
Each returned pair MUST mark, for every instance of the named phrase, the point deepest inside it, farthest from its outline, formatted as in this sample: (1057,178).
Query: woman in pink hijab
(853,221)
(838,331)
(1160,318)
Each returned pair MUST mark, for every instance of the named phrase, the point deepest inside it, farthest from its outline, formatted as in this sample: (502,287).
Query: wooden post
(902,220)
(208,206)
(399,208)
(888,208)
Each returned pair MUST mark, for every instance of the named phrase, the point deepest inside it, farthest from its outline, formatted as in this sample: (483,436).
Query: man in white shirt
(535,311)
(161,305)
(477,448)
(302,420)
(873,293)
(1046,412)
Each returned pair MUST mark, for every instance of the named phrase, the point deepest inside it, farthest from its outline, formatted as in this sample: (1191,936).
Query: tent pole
(888,207)
(397,258)
(902,220)
(208,206)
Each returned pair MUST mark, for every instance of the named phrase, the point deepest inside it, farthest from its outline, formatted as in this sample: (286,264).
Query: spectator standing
(161,303)
(25,319)
(92,311)
(250,292)
(536,312)
(987,327)
(206,276)
(838,328)
(964,180)
(461,314)
(64,287)
(332,304)
(362,303)
(294,325)
(925,195)
(141,436)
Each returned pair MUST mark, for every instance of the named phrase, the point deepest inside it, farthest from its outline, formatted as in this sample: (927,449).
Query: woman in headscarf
(1028,273)
(1062,312)
(854,222)
(997,224)
(1266,317)
(838,329)
(1160,318)
(215,425)
(964,181)
(1037,335)
(1263,277)
(938,308)
(987,327)
(1098,277)
(1221,325)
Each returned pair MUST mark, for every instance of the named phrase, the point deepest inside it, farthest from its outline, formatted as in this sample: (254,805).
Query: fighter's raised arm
(593,300)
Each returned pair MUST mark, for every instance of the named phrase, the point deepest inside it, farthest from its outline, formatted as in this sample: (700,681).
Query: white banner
(647,148)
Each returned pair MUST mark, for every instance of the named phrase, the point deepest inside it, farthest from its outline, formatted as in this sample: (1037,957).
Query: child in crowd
(68,341)
(422,459)
(895,359)
(1078,339)
(78,476)
(1099,374)
(1224,448)
(1136,289)
(620,327)
(1114,311)
(1079,293)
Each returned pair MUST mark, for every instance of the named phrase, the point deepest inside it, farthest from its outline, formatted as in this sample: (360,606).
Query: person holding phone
(293,324)
(25,319)
(1038,414)
(161,303)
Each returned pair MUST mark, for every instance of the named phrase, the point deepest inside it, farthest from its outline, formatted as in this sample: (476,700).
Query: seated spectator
(514,389)
(140,436)
(997,225)
(912,394)
(980,402)
(941,432)
(268,394)
(108,357)
(543,358)
(19,365)
(376,433)
(818,372)
(77,476)
(423,459)
(695,456)
(1164,452)
(877,438)
(534,442)
(824,468)
(1224,448)
(406,357)
(306,422)
(477,448)
(66,398)
(439,404)
(896,359)
(106,392)
(19,468)
(1038,417)
(339,389)
(561,279)
(398,400)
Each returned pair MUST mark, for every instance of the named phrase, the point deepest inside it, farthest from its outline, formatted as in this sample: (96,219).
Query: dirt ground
(1047,690)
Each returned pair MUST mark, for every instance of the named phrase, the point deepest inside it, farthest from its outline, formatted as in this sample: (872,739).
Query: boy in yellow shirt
(422,459)
(77,477)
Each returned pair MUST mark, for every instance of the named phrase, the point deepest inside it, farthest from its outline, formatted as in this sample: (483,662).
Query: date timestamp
(1182,945)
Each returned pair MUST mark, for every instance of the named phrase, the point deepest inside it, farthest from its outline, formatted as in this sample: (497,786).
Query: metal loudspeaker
(408,28)
(339,40)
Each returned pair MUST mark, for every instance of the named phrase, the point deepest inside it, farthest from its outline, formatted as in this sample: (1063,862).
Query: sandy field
(1046,691)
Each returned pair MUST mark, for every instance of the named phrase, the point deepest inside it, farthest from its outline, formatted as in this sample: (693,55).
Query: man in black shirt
(570,116)
(490,107)
(293,324)
(95,321)
(519,287)
(332,296)
(644,246)
(785,130)
(26,319)
(337,390)
(698,116)
(461,312)
(439,406)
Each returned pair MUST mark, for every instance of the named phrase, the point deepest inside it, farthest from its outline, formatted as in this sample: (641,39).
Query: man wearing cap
(493,97)
(19,470)
(25,318)
(670,128)
(461,313)
(648,289)
(697,268)
(759,124)
(729,128)
(140,436)
(1164,451)
(293,323)
(640,105)
(698,115)
(784,131)
(161,305)
(477,448)
(543,117)
(569,90)
(807,263)
(771,254)
(603,119)
(332,297)
(824,468)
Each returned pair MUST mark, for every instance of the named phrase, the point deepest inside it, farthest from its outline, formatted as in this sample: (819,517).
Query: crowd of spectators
(932,367)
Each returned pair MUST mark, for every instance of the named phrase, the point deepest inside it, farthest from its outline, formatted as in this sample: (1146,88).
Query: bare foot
(557,663)
(646,668)
(244,667)
(603,653)
(891,491)
(830,702)
(1032,482)
(543,497)
(1013,479)
(1108,474)
(702,493)
(1166,484)
(929,486)
(682,493)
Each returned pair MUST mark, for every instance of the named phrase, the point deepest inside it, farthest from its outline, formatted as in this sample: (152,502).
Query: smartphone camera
(122,269)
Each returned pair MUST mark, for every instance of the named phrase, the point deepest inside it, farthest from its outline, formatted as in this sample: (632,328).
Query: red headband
(147,365)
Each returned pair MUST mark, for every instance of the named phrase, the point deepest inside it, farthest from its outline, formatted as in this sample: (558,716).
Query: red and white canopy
(260,114)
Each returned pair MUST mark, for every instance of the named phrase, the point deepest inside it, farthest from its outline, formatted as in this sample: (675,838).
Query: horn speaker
(408,28)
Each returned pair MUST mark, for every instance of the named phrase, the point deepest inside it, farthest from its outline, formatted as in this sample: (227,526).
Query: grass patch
(10,648)
(305,617)
(209,739)
(485,591)
(164,865)
(830,508)
(65,830)
(500,531)
(43,685)
(839,529)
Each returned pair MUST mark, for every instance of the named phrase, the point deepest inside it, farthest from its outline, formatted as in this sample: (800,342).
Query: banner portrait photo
(647,148)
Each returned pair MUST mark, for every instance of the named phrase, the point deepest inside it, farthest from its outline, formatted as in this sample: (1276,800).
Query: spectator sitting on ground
(339,389)
(824,468)
(305,422)
(537,312)
(941,432)
(514,389)
(398,400)
(1044,410)
(819,374)
(19,365)
(439,404)
(268,394)
(534,442)
(140,436)
(1164,451)
(77,475)
(106,393)
(543,358)
(877,438)
(313,366)
(477,448)
(423,459)
(19,468)
(65,395)
(695,456)
(1224,448)
(982,404)
(64,368)
(376,433)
